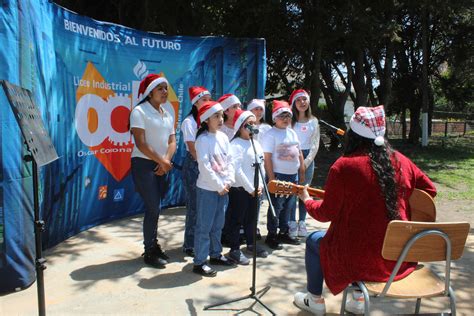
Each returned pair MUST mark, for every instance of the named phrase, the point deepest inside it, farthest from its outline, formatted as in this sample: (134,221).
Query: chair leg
(418,304)
(452,301)
(343,304)
(366,298)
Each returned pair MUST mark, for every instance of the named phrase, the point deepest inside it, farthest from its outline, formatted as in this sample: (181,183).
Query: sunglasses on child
(284,116)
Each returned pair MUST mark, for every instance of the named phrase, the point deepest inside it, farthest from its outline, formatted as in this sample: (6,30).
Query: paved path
(100,272)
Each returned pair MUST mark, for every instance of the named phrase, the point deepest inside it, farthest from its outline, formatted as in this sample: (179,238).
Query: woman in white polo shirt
(155,144)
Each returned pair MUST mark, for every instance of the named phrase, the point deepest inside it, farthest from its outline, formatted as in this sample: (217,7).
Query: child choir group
(218,170)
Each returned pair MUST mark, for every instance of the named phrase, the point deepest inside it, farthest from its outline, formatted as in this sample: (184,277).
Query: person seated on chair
(366,188)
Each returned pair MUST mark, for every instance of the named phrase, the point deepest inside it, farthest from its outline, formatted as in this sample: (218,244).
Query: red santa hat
(195,93)
(296,94)
(369,123)
(207,109)
(240,117)
(149,83)
(256,103)
(280,107)
(227,100)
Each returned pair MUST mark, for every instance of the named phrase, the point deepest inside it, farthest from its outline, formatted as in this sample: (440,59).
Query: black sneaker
(189,252)
(204,270)
(273,242)
(221,261)
(160,253)
(285,238)
(151,259)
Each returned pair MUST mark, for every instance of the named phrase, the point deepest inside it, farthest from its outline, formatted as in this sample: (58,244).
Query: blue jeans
(314,272)
(150,187)
(283,206)
(210,219)
(190,175)
(308,177)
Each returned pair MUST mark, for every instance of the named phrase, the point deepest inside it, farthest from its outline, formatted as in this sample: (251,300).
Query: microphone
(252,129)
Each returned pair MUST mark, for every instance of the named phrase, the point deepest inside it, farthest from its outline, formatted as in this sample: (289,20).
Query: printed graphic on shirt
(287,151)
(219,164)
(304,128)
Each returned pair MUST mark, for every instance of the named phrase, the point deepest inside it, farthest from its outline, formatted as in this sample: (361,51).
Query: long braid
(383,167)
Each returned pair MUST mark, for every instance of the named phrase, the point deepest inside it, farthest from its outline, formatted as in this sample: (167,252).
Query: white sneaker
(306,302)
(302,231)
(293,231)
(355,303)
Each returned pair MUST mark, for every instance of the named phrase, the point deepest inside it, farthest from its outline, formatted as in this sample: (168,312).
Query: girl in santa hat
(306,127)
(216,175)
(230,103)
(283,161)
(257,107)
(366,188)
(242,195)
(198,96)
(152,128)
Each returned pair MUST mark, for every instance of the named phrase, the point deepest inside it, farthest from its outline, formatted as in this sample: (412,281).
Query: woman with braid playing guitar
(366,188)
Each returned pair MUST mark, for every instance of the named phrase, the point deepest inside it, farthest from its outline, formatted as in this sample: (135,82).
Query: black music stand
(253,294)
(42,152)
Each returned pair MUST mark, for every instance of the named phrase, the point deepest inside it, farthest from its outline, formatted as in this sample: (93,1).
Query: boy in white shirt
(283,161)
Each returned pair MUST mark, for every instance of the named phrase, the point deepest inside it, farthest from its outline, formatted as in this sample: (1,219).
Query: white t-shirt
(243,159)
(284,146)
(214,160)
(158,128)
(228,131)
(262,129)
(305,132)
(189,129)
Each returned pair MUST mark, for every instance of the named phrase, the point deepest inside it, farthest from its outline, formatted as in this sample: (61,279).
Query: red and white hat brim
(241,119)
(281,111)
(256,104)
(298,95)
(228,102)
(152,86)
(200,95)
(212,110)
(365,131)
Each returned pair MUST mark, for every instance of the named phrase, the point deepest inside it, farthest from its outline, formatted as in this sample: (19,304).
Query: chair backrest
(428,248)
(422,205)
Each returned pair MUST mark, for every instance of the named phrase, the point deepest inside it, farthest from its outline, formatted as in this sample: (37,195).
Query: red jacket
(353,203)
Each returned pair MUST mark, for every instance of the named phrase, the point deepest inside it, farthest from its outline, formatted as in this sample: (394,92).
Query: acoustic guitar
(423,208)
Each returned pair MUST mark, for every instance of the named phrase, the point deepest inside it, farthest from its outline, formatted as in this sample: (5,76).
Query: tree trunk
(387,76)
(415,126)
(403,121)
(315,86)
(359,79)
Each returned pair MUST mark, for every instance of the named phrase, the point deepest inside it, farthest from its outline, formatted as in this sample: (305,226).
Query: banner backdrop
(85,75)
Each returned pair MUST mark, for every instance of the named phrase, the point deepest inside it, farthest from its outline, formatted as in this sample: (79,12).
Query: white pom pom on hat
(379,140)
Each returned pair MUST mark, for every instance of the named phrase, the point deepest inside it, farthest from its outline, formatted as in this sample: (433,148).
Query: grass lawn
(448,162)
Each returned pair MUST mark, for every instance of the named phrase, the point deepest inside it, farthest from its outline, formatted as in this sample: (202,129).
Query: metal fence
(444,128)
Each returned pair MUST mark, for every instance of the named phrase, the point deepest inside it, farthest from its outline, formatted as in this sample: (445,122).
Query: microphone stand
(253,294)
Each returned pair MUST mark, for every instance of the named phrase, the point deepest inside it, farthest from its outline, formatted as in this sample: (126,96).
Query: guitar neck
(315,192)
